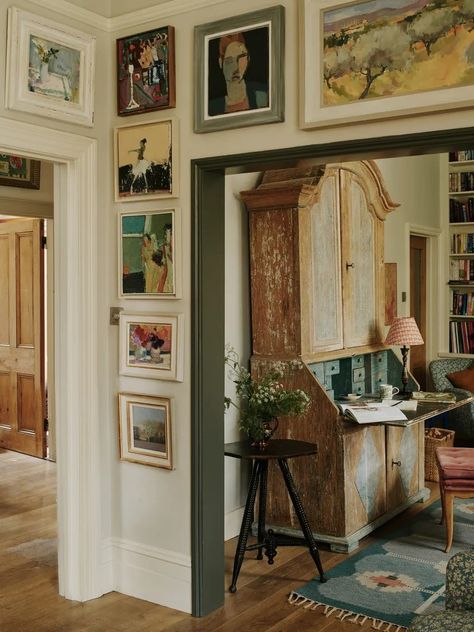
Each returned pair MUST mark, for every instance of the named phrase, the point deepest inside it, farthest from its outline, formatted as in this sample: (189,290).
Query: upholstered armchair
(459,613)
(461,419)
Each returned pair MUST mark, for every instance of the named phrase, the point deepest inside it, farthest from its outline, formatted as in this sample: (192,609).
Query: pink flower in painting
(16,162)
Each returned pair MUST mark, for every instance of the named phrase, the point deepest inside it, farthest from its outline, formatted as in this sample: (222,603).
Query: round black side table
(280,450)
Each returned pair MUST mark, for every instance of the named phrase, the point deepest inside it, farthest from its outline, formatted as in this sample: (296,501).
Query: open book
(372,413)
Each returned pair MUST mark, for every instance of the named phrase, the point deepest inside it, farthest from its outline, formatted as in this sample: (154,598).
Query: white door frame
(76,355)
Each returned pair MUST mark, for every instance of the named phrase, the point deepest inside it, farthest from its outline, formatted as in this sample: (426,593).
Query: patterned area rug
(394,580)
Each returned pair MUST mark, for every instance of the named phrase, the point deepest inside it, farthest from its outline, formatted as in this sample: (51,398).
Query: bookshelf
(461,252)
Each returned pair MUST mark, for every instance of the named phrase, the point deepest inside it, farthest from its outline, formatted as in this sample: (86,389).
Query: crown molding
(167,9)
(75,13)
(158,12)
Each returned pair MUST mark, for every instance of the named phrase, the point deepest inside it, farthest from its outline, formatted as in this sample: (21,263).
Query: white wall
(413,182)
(237,334)
(146,512)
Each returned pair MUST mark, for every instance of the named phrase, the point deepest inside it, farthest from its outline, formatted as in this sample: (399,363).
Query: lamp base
(403,395)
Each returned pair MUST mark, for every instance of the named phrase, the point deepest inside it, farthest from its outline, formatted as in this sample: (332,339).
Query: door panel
(418,273)
(402,464)
(21,338)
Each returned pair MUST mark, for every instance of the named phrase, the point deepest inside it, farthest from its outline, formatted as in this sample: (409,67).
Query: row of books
(458,156)
(461,181)
(462,243)
(461,270)
(461,210)
(461,337)
(462,303)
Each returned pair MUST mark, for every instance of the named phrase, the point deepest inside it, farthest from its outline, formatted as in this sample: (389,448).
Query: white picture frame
(146,155)
(313,114)
(50,69)
(151,346)
(138,277)
(140,416)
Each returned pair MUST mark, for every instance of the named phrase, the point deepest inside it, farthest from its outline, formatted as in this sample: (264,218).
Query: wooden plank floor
(29,600)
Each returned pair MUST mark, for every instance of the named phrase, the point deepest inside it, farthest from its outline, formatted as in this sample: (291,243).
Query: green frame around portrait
(275,17)
(33,180)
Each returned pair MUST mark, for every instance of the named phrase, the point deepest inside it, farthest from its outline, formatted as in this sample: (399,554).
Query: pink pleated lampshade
(404,331)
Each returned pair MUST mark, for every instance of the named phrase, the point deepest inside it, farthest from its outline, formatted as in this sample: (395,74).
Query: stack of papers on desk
(373,413)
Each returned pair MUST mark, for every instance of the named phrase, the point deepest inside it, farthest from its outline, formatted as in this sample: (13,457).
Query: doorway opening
(209,329)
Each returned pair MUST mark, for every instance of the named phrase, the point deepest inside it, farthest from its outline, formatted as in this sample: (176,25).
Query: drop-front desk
(376,471)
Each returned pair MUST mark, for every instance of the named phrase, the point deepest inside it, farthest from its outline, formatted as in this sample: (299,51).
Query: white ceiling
(114,8)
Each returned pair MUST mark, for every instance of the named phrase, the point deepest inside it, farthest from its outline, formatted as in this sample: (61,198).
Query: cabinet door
(402,464)
(359,272)
(326,332)
(364,476)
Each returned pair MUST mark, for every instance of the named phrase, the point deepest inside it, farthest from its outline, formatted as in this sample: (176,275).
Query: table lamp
(404,331)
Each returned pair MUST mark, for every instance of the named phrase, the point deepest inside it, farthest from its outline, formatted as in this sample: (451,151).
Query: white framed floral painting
(50,68)
(151,346)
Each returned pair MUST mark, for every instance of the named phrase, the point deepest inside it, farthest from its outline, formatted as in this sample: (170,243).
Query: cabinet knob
(396,463)
(349,265)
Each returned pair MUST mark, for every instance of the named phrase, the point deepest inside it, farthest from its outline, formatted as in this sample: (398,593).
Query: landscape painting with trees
(387,48)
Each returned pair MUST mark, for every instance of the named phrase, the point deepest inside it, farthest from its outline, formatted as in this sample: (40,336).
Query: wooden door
(21,337)
(417,354)
(403,456)
(359,272)
(326,328)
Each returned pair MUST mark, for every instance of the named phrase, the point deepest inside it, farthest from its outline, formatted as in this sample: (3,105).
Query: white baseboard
(157,575)
(232,523)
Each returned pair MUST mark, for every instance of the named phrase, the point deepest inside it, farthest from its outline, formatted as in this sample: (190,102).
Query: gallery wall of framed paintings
(151,342)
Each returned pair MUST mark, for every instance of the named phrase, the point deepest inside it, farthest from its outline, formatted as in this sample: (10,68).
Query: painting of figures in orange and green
(388,48)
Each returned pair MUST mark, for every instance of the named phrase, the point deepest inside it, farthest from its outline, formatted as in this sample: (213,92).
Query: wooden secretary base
(347,544)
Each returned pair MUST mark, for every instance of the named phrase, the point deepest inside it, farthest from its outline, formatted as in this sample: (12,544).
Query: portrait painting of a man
(238,73)
(240,70)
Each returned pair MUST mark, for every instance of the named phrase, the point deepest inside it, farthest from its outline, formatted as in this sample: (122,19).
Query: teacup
(387,391)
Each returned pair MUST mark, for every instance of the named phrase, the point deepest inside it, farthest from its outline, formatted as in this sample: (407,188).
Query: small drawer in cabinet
(331,368)
(379,361)
(318,371)
(358,375)
(378,377)
(357,362)
(330,394)
(358,388)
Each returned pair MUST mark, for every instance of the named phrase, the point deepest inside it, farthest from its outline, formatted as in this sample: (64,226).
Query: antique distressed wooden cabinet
(317,295)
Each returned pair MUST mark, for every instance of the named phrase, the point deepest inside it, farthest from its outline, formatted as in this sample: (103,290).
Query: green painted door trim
(208,262)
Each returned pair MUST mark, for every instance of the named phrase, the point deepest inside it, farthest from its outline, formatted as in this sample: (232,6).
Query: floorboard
(29,600)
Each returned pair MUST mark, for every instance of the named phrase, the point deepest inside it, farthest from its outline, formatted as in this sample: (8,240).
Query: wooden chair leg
(443,501)
(449,519)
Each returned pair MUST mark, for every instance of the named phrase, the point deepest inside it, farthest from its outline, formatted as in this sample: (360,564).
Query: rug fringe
(344,615)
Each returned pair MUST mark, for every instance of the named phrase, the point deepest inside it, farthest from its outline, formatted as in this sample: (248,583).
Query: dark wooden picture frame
(146,78)
(16,171)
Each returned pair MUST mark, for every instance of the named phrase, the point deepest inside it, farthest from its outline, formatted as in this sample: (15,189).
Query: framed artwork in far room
(16,171)
(368,60)
(145,429)
(239,70)
(146,71)
(150,254)
(146,161)
(151,346)
(50,69)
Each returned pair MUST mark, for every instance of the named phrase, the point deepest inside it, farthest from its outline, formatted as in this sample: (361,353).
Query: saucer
(350,398)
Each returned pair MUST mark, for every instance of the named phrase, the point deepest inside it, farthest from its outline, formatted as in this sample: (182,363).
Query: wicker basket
(445,439)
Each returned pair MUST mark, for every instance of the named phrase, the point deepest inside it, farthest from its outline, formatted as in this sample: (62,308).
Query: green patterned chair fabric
(459,613)
(462,419)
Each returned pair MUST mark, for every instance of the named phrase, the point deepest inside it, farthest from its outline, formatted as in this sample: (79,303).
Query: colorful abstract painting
(146,71)
(147,254)
(54,70)
(387,48)
(17,171)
